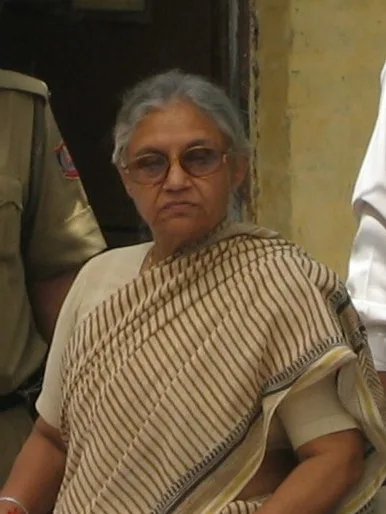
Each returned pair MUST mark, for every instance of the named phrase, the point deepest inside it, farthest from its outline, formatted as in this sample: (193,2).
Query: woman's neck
(165,247)
(166,244)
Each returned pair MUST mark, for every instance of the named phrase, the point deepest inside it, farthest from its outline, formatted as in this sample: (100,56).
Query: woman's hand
(329,467)
(11,506)
(37,474)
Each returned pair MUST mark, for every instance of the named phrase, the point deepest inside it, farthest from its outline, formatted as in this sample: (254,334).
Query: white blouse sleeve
(313,412)
(96,281)
(49,401)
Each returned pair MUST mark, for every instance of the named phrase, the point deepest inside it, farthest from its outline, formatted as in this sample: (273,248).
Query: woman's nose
(177,177)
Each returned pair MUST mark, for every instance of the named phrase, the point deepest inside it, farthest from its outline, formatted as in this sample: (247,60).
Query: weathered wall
(318,83)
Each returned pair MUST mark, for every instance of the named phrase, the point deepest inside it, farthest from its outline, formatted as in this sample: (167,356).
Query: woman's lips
(177,205)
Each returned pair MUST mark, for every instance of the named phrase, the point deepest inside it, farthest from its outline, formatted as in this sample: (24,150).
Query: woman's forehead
(177,124)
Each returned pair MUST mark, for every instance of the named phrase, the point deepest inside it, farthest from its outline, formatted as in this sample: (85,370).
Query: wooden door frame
(232,68)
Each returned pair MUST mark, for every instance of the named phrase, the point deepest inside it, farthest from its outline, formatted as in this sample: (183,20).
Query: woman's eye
(200,156)
(150,162)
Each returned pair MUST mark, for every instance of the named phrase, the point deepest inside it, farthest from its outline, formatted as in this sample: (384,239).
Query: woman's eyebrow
(190,144)
(148,149)
(197,142)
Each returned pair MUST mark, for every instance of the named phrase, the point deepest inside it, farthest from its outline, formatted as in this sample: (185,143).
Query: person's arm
(329,466)
(65,233)
(367,282)
(46,298)
(327,443)
(65,236)
(367,265)
(37,473)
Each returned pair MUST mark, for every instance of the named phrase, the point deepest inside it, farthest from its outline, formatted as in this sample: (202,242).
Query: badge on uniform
(65,161)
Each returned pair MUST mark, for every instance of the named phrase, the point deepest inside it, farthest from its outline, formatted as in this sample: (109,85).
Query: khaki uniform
(64,235)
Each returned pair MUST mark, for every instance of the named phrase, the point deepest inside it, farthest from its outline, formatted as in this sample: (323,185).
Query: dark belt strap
(36,174)
(9,401)
(27,393)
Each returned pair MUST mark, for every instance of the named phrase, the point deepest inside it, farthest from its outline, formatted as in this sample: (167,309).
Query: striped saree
(170,385)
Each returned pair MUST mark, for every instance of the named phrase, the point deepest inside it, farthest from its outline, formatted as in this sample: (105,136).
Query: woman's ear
(240,169)
(126,183)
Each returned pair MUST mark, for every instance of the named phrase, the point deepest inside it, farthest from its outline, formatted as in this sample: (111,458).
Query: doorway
(88,59)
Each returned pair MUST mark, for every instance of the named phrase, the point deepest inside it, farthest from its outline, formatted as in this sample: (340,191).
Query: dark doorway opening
(88,60)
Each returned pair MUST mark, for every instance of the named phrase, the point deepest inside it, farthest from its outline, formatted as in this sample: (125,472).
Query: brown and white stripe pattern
(164,380)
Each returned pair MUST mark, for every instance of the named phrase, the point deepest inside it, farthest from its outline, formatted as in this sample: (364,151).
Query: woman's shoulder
(127,258)
(286,262)
(104,274)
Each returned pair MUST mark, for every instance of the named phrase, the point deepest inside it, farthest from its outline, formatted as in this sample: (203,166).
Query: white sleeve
(367,280)
(367,267)
(49,401)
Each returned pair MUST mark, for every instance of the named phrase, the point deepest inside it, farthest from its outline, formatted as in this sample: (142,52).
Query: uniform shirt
(367,266)
(64,236)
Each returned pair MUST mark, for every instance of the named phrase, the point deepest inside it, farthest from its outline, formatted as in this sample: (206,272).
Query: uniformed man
(47,231)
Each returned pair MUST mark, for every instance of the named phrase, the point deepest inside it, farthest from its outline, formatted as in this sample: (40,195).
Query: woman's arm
(37,473)
(329,466)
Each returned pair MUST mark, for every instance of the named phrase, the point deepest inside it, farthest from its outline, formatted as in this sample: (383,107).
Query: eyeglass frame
(223,156)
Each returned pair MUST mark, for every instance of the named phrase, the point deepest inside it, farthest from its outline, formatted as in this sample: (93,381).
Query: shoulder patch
(65,161)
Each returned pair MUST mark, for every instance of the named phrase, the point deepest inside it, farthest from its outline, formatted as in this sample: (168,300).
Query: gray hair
(157,91)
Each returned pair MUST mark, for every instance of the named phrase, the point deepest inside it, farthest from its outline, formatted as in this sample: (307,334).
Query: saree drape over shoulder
(169,386)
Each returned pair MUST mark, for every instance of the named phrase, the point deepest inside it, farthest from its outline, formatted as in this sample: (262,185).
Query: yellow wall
(318,67)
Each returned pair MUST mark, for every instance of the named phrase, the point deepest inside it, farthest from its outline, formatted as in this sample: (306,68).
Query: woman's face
(181,207)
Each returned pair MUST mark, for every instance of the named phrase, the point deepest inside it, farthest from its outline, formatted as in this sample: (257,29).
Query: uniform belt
(26,393)
(9,401)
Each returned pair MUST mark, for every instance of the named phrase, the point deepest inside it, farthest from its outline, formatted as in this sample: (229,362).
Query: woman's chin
(182,228)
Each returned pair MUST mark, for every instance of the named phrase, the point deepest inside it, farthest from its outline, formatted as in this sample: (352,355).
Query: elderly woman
(217,369)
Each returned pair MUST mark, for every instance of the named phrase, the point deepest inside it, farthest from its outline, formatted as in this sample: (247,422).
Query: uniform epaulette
(17,81)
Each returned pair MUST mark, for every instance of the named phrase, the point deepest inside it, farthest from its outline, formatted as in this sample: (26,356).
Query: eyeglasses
(153,168)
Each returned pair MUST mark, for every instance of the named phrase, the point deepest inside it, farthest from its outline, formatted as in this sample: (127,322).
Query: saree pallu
(170,385)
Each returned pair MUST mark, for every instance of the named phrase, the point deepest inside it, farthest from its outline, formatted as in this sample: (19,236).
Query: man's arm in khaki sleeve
(47,297)
(65,233)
